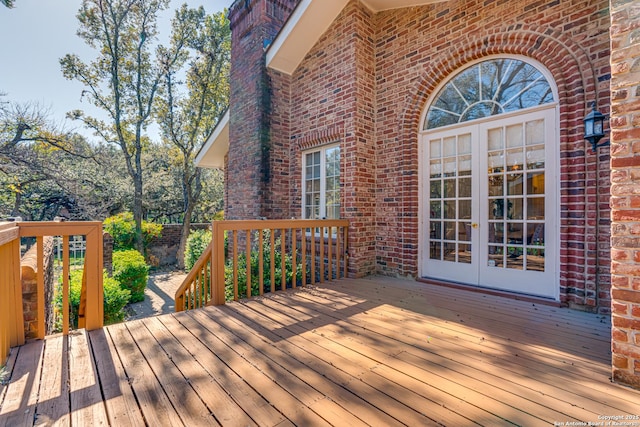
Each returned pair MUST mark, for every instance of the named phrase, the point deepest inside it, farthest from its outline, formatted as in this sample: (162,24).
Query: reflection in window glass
(489,88)
(322,183)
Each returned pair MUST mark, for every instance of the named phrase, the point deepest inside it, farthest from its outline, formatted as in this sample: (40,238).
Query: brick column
(248,175)
(625,190)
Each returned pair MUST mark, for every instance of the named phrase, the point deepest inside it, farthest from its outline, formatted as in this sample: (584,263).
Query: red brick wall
(366,82)
(254,24)
(625,178)
(333,100)
(418,48)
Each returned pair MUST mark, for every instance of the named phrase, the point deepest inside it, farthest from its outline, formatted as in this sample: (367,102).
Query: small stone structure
(164,249)
(107,252)
(29,267)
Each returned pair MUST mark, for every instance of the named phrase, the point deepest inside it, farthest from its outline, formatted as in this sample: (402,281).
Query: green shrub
(197,242)
(115,298)
(255,270)
(131,270)
(122,228)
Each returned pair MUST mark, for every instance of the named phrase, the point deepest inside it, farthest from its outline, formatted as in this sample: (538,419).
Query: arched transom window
(491,87)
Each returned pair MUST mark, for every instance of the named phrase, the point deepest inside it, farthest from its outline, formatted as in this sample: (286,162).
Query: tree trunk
(137,213)
(186,230)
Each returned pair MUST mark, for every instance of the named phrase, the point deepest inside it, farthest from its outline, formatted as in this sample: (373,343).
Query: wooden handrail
(195,289)
(12,331)
(91,309)
(304,251)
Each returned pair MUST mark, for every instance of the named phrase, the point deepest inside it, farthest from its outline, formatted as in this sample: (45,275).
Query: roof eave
(216,147)
(309,21)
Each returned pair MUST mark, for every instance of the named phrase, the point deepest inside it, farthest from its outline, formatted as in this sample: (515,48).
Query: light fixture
(594,128)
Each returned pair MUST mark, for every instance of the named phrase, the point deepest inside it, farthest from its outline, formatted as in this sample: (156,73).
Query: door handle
(474,225)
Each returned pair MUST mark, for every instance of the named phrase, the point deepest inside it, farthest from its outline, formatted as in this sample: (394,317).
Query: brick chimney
(254,25)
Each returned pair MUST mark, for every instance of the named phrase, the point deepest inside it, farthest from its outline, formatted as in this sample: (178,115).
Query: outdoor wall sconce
(594,128)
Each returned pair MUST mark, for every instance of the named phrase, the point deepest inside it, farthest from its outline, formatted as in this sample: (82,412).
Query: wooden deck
(374,351)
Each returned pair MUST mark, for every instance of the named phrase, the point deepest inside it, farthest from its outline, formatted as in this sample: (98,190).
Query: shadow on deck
(374,351)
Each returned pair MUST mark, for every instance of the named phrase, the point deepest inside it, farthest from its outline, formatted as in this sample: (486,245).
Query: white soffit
(309,20)
(212,153)
(380,5)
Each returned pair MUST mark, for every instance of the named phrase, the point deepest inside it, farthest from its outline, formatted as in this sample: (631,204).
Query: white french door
(489,193)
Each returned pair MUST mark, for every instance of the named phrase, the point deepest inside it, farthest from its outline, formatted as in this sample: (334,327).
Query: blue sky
(35,34)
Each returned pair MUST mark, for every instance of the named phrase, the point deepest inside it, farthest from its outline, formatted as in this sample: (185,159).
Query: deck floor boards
(375,351)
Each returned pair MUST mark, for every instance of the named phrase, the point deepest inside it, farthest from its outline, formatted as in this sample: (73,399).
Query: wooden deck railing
(249,258)
(11,324)
(91,300)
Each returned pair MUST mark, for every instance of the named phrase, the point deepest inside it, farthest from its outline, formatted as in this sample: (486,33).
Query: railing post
(11,314)
(217,265)
(92,285)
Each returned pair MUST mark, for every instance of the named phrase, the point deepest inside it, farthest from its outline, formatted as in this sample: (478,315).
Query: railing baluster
(198,289)
(329,252)
(338,253)
(314,280)
(207,282)
(293,258)
(321,259)
(248,255)
(260,262)
(235,265)
(273,260)
(283,279)
(303,240)
(65,284)
(315,264)
(40,283)
(345,231)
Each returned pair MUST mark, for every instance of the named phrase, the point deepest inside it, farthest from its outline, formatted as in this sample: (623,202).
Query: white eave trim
(216,147)
(309,21)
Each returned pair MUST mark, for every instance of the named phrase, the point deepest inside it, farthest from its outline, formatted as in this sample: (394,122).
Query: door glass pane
(435,209)
(449,252)
(435,189)
(450,209)
(515,210)
(514,184)
(495,140)
(516,197)
(464,207)
(464,144)
(535,132)
(450,230)
(535,208)
(435,168)
(464,165)
(535,183)
(496,185)
(464,253)
(514,160)
(514,136)
(464,187)
(435,150)
(450,166)
(450,195)
(535,157)
(449,146)
(449,188)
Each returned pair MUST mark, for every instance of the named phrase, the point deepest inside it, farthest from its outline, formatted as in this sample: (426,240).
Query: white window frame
(323,179)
